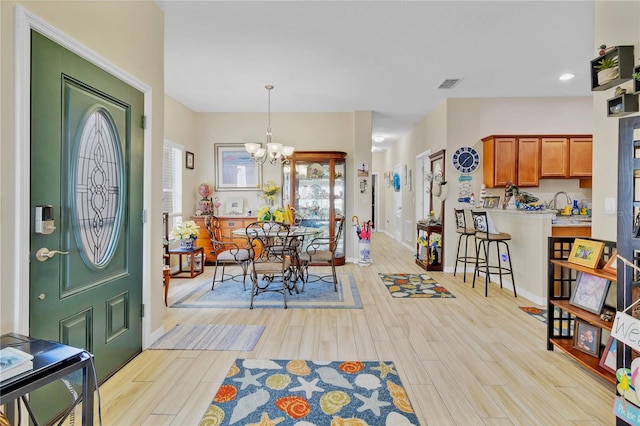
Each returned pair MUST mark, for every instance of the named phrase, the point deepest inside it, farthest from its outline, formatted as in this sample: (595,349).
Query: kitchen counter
(529,232)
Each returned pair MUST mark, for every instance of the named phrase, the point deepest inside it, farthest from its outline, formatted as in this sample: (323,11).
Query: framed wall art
(586,252)
(189,160)
(590,292)
(235,169)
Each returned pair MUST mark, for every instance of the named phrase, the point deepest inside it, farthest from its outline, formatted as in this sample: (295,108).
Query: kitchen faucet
(555,199)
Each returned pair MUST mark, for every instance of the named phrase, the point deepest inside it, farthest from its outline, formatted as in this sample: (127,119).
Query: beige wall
(617,23)
(129,35)
(304,131)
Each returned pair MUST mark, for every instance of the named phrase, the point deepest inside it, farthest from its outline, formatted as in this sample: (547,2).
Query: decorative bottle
(575,211)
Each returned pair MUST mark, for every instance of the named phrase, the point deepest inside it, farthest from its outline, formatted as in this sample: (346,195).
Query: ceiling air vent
(449,83)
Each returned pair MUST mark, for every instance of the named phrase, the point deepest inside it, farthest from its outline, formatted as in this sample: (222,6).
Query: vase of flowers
(423,242)
(270,213)
(185,233)
(269,191)
(435,242)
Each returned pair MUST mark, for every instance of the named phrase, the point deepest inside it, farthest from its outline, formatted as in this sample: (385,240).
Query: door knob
(45,254)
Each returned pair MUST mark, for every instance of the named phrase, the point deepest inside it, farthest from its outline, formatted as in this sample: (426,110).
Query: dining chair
(226,252)
(321,251)
(271,250)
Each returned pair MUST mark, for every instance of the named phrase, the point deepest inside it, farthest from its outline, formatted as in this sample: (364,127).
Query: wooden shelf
(561,285)
(625,67)
(589,317)
(597,272)
(624,104)
(588,361)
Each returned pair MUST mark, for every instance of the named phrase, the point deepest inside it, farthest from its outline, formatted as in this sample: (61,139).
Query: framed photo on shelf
(235,169)
(586,252)
(608,358)
(586,337)
(189,160)
(491,202)
(589,292)
(612,264)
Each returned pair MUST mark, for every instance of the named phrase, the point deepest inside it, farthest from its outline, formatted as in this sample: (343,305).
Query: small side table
(192,253)
(51,361)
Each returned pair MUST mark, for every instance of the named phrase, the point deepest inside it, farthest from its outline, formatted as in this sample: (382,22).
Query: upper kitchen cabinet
(528,162)
(580,157)
(509,158)
(500,160)
(554,157)
(525,159)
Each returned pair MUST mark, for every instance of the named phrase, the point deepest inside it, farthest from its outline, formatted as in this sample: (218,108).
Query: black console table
(51,361)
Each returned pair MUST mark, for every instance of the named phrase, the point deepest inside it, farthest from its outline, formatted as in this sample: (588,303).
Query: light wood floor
(465,361)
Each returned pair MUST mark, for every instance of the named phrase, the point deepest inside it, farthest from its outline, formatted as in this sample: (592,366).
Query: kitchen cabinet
(562,314)
(554,157)
(528,162)
(227,225)
(524,159)
(500,159)
(580,157)
(314,184)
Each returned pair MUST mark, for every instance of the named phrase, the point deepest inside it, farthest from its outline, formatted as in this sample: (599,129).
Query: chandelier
(274,152)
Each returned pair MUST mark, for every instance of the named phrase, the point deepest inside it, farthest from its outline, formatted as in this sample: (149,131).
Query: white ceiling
(388,57)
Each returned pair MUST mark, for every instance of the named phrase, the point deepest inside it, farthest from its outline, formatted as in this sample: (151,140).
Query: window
(172,181)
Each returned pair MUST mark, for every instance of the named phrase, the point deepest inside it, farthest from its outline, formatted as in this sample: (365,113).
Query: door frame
(422,200)
(25,21)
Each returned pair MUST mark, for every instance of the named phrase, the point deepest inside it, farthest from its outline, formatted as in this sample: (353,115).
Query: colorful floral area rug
(414,286)
(306,393)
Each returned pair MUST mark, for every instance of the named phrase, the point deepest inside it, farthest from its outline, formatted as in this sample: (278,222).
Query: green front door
(87,163)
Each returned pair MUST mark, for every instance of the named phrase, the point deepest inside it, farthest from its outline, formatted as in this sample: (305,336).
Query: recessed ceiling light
(378,139)
(567,76)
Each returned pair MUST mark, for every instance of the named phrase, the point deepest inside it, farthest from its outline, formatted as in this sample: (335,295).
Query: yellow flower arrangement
(269,191)
(274,214)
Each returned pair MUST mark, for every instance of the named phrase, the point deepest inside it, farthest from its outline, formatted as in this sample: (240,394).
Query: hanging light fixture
(275,152)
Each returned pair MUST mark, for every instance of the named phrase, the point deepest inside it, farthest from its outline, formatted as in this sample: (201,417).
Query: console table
(51,361)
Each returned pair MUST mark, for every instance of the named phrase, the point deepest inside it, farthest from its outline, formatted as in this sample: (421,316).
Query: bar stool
(485,238)
(466,233)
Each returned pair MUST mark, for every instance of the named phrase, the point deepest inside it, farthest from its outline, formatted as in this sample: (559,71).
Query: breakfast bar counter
(529,238)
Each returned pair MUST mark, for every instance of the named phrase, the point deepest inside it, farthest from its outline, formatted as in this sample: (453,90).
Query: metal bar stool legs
(466,258)
(496,269)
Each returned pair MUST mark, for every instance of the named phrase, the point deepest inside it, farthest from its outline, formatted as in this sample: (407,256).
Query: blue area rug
(230,294)
(298,392)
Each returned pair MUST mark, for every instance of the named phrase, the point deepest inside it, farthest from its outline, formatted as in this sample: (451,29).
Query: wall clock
(466,159)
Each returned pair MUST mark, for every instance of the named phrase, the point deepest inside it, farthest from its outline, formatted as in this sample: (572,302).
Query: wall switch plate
(610,206)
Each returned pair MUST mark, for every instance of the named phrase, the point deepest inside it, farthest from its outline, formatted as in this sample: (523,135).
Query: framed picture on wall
(235,169)
(189,160)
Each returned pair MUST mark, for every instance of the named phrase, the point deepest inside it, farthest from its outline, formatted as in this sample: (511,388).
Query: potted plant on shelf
(607,70)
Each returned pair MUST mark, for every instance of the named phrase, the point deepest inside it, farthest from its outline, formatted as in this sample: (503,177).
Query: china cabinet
(314,184)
